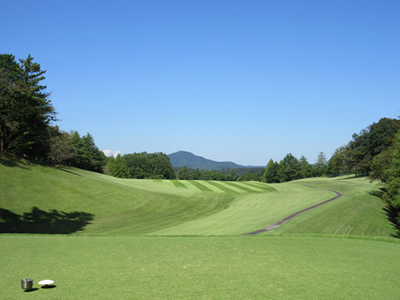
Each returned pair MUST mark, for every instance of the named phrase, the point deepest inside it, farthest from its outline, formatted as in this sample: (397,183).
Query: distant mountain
(183,158)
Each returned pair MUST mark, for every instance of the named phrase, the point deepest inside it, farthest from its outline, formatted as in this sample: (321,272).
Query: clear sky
(242,81)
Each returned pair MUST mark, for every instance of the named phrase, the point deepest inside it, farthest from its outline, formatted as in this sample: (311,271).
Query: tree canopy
(87,154)
(369,143)
(25,109)
(271,174)
(141,166)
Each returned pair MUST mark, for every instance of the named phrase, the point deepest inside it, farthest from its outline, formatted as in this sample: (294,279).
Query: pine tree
(120,170)
(289,168)
(321,165)
(25,110)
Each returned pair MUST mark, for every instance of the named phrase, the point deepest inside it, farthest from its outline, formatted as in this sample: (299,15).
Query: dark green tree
(370,142)
(212,175)
(289,168)
(136,163)
(320,166)
(149,165)
(351,159)
(119,168)
(393,186)
(380,164)
(196,174)
(87,154)
(110,165)
(232,176)
(25,110)
(271,173)
(249,176)
(336,164)
(60,149)
(183,173)
(161,166)
(306,167)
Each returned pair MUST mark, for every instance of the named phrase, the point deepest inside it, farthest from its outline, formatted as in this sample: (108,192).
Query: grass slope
(357,212)
(118,206)
(161,207)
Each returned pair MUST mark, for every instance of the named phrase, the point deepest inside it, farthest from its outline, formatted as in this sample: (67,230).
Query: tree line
(233,174)
(290,168)
(140,166)
(368,153)
(158,166)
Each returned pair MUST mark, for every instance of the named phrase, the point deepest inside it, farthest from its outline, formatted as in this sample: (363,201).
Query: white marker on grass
(46,282)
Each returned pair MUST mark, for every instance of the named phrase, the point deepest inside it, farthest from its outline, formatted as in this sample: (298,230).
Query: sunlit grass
(164,207)
(200,267)
(356,213)
(161,239)
(250,212)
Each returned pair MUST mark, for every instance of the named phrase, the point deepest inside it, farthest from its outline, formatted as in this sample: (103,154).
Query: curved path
(284,220)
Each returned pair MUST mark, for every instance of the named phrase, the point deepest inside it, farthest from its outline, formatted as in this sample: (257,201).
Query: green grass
(162,207)
(160,239)
(200,267)
(356,213)
(119,206)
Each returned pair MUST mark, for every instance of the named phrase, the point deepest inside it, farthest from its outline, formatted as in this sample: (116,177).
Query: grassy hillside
(341,250)
(161,207)
(118,206)
(358,212)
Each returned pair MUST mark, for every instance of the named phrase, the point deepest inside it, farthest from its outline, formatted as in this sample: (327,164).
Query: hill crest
(190,160)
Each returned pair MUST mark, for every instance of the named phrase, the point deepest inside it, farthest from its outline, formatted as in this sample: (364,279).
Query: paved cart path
(284,220)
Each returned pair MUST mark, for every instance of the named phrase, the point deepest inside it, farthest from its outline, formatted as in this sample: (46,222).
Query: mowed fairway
(160,239)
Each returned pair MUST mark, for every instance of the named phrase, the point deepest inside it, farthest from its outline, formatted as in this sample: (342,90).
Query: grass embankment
(119,206)
(357,212)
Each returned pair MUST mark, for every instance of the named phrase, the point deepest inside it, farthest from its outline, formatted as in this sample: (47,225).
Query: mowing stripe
(222,187)
(242,187)
(261,186)
(178,184)
(200,186)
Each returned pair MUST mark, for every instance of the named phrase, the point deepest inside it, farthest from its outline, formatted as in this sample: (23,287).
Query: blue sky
(241,81)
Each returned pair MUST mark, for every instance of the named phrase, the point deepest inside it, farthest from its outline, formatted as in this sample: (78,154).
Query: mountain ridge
(192,161)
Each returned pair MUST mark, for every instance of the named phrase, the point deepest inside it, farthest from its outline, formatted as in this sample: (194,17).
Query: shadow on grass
(67,171)
(31,290)
(378,194)
(49,286)
(40,221)
(9,160)
(392,212)
(352,176)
